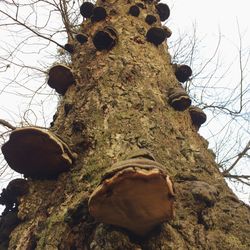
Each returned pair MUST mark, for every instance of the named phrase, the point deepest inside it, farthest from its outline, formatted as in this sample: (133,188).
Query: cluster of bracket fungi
(43,155)
(179,99)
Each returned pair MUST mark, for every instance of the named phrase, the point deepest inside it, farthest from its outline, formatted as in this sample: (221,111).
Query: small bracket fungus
(198,116)
(183,72)
(135,194)
(69,47)
(179,99)
(8,221)
(37,153)
(86,9)
(105,39)
(60,78)
(99,14)
(150,19)
(167,31)
(134,11)
(163,11)
(81,38)
(156,35)
(10,194)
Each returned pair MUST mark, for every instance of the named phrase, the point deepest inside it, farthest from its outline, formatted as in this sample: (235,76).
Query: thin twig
(7,124)
(240,155)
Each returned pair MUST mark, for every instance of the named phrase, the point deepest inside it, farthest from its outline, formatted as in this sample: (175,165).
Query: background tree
(106,93)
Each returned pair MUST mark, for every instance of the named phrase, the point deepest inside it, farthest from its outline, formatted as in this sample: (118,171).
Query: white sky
(209,17)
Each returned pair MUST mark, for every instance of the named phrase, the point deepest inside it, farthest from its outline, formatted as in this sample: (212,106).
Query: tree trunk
(119,104)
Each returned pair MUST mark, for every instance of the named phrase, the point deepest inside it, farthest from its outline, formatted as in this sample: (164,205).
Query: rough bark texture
(117,105)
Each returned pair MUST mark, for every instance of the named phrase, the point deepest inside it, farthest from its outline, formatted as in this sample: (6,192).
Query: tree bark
(119,104)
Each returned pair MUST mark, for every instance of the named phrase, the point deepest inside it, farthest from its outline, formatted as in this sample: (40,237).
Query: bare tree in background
(34,35)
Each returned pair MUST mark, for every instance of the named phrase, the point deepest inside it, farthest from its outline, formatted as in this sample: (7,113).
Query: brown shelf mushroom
(105,39)
(81,38)
(134,11)
(163,11)
(150,19)
(69,47)
(60,78)
(183,72)
(179,99)
(99,14)
(86,9)
(156,35)
(8,221)
(15,189)
(135,194)
(198,116)
(167,31)
(37,153)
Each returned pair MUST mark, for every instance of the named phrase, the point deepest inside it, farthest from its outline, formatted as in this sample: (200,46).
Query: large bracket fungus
(105,39)
(156,35)
(37,153)
(163,11)
(135,194)
(179,99)
(198,116)
(86,9)
(60,78)
(182,72)
(99,14)
(134,10)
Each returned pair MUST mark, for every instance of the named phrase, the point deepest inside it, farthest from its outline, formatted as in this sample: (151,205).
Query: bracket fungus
(105,39)
(163,11)
(69,47)
(60,78)
(135,194)
(198,116)
(150,19)
(86,9)
(99,14)
(37,153)
(156,35)
(179,99)
(81,38)
(167,31)
(15,189)
(134,10)
(182,72)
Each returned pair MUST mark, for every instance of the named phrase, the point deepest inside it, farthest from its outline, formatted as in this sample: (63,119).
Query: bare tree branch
(7,124)
(240,155)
